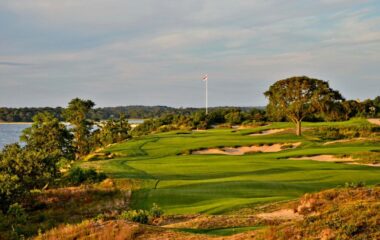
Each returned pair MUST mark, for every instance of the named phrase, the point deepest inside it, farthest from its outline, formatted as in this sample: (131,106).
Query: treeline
(137,112)
(228,117)
(347,110)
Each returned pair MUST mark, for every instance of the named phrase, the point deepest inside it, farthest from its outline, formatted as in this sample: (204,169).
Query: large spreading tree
(300,97)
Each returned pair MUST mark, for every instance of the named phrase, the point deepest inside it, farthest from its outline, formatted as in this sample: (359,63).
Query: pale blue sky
(150,52)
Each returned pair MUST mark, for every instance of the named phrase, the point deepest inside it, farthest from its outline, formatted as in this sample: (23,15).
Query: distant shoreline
(139,121)
(21,123)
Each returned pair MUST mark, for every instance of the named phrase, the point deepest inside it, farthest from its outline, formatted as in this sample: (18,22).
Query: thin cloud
(14,64)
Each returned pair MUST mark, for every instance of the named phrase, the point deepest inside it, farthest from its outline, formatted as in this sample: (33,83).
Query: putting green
(183,183)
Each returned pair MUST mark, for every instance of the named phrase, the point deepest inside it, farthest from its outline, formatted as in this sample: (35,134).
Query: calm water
(10,133)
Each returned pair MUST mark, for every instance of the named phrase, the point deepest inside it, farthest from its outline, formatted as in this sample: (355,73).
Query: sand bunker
(365,164)
(332,158)
(325,158)
(283,214)
(268,132)
(248,149)
(374,121)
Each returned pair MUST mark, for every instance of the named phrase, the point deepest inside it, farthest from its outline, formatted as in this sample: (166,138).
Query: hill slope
(185,183)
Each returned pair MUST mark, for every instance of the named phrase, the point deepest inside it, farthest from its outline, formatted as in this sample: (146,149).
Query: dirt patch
(283,214)
(374,121)
(268,132)
(277,147)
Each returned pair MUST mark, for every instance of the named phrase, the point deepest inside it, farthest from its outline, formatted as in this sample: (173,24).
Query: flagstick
(206,96)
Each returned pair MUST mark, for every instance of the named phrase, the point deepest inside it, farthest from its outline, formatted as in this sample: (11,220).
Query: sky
(150,52)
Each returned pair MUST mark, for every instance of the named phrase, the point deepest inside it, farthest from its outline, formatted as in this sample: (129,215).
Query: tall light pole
(205,79)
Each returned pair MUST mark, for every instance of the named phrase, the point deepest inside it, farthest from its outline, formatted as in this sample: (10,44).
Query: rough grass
(349,213)
(344,213)
(183,184)
(50,208)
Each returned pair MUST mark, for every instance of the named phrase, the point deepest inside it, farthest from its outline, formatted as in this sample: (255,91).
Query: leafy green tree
(21,170)
(234,117)
(113,131)
(77,114)
(47,141)
(299,97)
(50,138)
(10,185)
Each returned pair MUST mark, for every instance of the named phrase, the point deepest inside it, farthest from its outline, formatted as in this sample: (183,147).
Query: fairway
(182,183)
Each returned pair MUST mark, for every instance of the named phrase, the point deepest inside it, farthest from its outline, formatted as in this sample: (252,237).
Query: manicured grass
(214,184)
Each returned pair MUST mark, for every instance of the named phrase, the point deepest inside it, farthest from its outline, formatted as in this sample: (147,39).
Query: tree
(77,115)
(50,138)
(21,170)
(299,97)
(113,131)
(233,117)
(10,182)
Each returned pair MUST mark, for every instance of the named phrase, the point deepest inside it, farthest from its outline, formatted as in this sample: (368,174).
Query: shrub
(77,176)
(140,216)
(17,212)
(100,217)
(354,185)
(335,133)
(156,211)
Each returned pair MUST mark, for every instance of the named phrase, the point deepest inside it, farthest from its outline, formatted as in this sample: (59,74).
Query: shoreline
(20,123)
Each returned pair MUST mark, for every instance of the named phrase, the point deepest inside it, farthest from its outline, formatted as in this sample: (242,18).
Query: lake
(10,132)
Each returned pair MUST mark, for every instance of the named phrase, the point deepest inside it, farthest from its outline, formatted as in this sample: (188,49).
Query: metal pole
(206,96)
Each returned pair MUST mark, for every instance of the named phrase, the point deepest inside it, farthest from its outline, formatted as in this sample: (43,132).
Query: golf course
(175,171)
